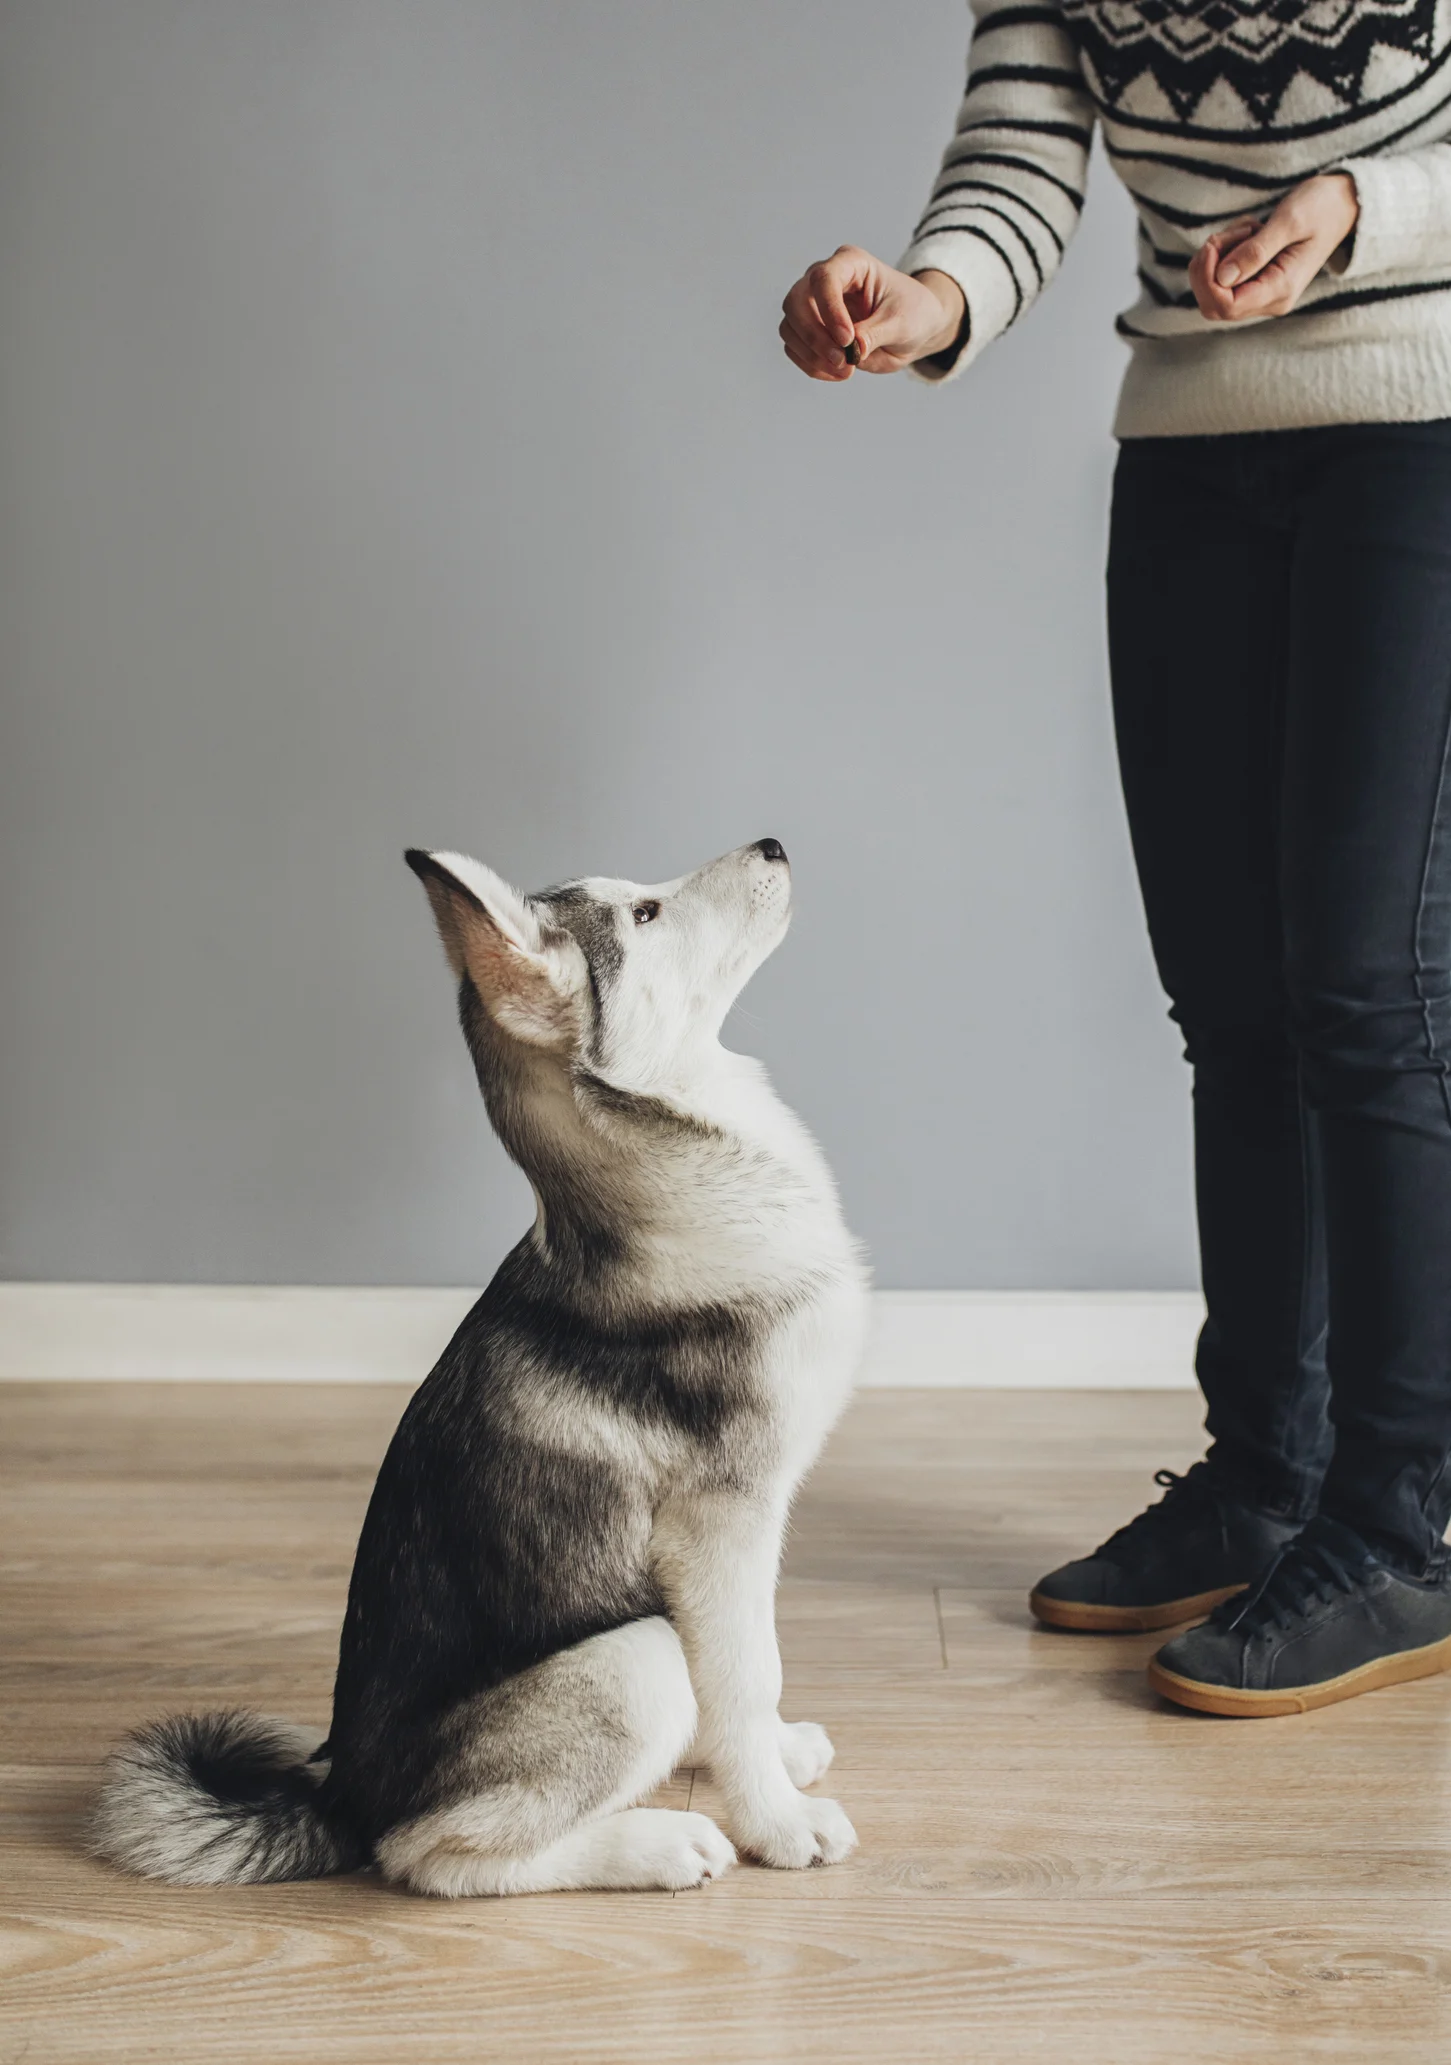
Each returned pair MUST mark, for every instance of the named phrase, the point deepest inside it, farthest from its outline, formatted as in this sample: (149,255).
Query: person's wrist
(1346,182)
(953,303)
(1344,198)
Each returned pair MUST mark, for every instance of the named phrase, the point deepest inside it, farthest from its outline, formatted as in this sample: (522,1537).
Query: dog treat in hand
(853,353)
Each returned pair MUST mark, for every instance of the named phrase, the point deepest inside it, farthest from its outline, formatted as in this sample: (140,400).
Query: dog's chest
(809,1364)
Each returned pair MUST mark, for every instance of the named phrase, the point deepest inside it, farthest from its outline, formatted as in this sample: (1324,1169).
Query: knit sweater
(1213,109)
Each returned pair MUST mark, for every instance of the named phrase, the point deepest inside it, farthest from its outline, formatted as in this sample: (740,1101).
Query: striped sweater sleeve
(1010,190)
(1405,212)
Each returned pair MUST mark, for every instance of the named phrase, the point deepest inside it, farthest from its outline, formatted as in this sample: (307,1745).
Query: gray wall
(397,448)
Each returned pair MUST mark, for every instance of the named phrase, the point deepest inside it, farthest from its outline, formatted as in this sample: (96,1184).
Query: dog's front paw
(816,1833)
(806,1752)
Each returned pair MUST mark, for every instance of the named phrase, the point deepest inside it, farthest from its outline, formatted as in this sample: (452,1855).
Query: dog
(566,1576)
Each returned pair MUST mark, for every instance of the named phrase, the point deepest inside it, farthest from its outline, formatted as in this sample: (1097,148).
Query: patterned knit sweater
(1212,109)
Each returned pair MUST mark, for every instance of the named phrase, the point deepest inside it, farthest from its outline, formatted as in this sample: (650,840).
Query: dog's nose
(770,849)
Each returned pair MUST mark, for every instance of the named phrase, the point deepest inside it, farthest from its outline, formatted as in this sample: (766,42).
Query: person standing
(1284,438)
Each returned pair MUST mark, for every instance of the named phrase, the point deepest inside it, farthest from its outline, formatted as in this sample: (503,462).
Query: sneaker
(1196,1547)
(1329,1620)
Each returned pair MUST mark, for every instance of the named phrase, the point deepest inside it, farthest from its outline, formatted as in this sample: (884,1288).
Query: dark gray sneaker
(1329,1620)
(1172,1563)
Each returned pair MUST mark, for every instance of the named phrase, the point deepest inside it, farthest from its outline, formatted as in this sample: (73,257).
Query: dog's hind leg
(641,1849)
(538,1778)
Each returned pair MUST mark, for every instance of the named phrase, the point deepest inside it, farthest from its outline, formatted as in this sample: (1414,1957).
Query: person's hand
(852,300)
(1259,269)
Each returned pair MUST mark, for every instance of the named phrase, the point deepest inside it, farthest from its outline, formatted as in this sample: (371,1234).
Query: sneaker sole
(1245,1705)
(1125,1620)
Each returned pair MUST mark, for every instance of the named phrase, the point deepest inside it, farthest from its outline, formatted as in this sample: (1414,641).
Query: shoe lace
(1324,1563)
(1196,1485)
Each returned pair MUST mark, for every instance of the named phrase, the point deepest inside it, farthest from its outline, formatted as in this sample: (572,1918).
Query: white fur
(636,1849)
(506,905)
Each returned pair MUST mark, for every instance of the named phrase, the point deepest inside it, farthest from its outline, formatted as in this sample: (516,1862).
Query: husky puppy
(567,1572)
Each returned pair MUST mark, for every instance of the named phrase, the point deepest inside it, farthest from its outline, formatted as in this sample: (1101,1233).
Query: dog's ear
(491,936)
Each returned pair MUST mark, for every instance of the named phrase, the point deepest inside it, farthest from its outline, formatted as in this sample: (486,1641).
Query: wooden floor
(1051,1863)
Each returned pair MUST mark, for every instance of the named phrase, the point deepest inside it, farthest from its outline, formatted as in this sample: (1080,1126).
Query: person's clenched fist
(852,311)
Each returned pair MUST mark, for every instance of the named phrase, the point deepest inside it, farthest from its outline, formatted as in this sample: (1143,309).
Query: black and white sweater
(1212,109)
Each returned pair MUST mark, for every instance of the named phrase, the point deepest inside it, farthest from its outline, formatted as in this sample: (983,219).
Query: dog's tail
(226,1799)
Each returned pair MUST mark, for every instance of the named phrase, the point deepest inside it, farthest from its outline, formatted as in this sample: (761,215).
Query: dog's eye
(644,912)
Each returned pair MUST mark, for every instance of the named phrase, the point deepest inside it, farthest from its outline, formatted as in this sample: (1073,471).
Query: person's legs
(1199,582)
(1362,1597)
(1200,574)
(1367,901)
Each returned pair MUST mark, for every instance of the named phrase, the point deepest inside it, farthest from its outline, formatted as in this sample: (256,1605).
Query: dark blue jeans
(1280,635)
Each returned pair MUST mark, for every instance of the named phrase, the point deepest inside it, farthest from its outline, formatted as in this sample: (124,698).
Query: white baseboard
(207,1333)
